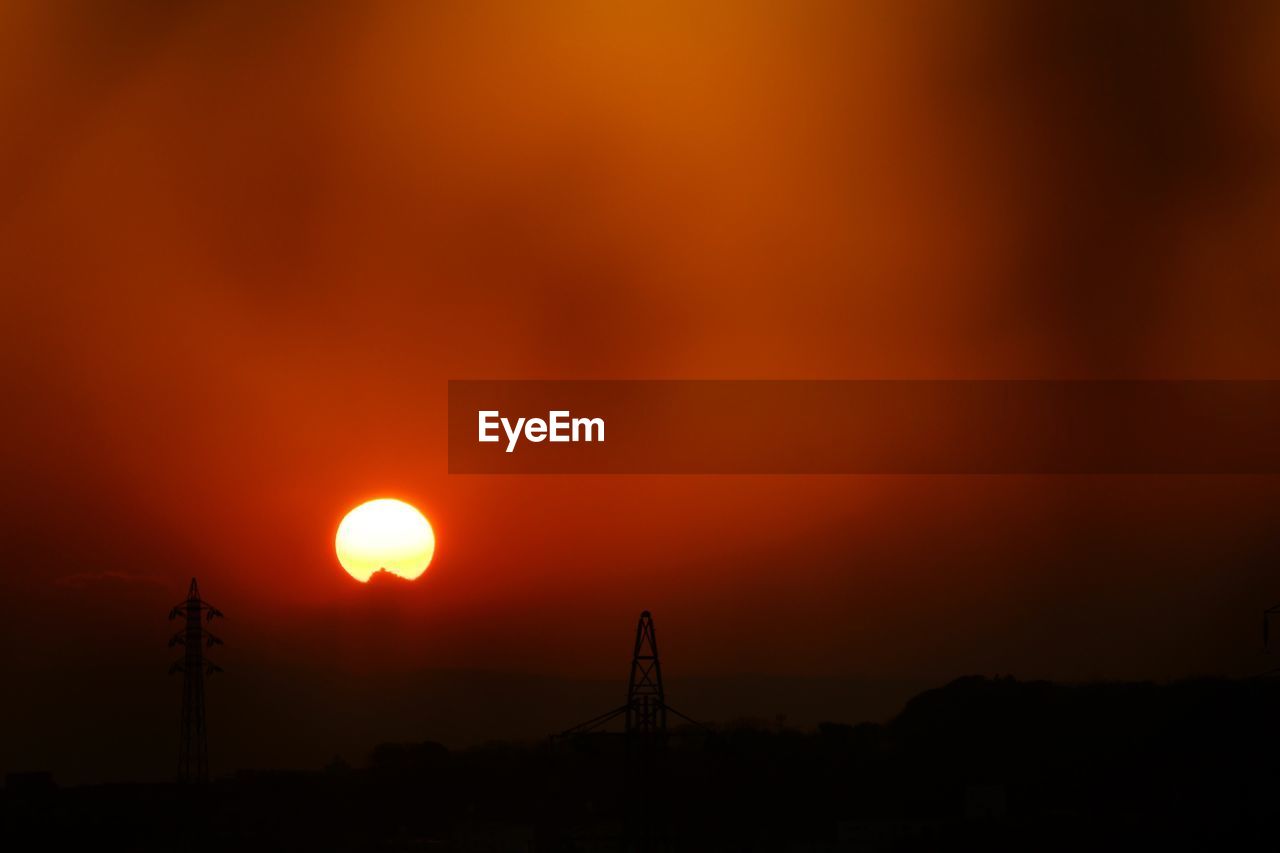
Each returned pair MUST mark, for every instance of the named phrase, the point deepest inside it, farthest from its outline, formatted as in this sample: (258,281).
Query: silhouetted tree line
(981,764)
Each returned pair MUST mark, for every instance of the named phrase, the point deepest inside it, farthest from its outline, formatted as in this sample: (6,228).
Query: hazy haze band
(878,427)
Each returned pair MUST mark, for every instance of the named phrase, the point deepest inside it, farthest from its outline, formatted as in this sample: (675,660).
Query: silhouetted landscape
(981,763)
(871,344)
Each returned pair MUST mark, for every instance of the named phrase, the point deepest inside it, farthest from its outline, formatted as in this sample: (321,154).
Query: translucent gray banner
(864,427)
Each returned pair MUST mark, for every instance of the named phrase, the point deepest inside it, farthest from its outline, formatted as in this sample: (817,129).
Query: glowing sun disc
(385,534)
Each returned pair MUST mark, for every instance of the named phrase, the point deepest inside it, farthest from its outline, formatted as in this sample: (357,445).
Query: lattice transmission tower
(645,720)
(646,701)
(646,709)
(193,755)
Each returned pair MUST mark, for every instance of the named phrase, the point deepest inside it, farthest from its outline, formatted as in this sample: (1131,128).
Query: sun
(385,534)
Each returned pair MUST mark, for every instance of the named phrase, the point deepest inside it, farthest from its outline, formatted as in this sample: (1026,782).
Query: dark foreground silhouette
(979,764)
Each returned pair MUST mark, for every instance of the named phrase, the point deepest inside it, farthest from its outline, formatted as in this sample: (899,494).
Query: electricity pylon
(646,709)
(646,700)
(193,755)
(645,715)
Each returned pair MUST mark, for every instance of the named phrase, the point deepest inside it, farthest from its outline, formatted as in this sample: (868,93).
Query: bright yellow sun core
(385,534)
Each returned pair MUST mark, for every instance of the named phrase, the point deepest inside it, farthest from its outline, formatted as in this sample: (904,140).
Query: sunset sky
(244,247)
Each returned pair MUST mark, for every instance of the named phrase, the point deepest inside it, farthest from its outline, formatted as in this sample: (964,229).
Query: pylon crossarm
(180,609)
(594,722)
(685,717)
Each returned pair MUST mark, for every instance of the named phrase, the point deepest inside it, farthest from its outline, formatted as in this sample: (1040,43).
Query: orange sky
(244,250)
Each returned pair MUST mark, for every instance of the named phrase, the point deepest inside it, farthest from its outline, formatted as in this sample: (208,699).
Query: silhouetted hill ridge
(979,763)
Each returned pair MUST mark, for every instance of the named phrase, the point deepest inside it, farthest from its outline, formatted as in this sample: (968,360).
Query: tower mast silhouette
(193,755)
(646,701)
(645,715)
(646,709)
